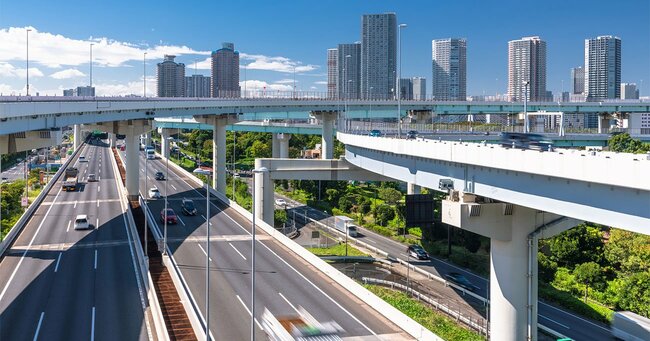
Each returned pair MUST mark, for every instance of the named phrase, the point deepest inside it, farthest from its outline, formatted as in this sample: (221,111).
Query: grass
(335,250)
(567,300)
(436,322)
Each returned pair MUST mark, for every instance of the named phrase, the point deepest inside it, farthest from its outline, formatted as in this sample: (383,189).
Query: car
(171,216)
(160,176)
(81,222)
(92,177)
(417,252)
(83,159)
(461,281)
(375,133)
(188,207)
(411,135)
(154,193)
(281,202)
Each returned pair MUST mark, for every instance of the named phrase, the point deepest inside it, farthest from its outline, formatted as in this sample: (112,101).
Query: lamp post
(91,64)
(526,84)
(207,247)
(345,85)
(399,89)
(166,188)
(261,170)
(347,231)
(234,146)
(144,75)
(371,107)
(28,30)
(146,207)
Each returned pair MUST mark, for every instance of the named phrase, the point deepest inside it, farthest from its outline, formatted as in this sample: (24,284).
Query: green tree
(279,218)
(589,274)
(546,268)
(390,195)
(384,214)
(578,245)
(626,144)
(628,251)
(260,149)
(635,294)
(346,202)
(332,196)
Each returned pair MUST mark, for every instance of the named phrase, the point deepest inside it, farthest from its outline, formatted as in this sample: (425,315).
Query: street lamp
(144,75)
(261,170)
(166,182)
(207,247)
(91,64)
(146,207)
(347,231)
(28,30)
(371,107)
(345,84)
(526,84)
(399,89)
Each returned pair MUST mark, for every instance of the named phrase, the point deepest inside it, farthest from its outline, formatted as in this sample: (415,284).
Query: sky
(274,37)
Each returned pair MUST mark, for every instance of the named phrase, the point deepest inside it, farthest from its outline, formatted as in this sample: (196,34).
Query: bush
(566,300)
(279,217)
(384,214)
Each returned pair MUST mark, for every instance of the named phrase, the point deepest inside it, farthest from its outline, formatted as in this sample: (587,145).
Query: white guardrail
(24,218)
(382,307)
(143,263)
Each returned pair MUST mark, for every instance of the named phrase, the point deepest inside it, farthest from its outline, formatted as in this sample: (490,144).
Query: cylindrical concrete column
(76,129)
(283,144)
(509,280)
(219,154)
(328,137)
(264,206)
(132,162)
(164,143)
(412,188)
(603,124)
(275,146)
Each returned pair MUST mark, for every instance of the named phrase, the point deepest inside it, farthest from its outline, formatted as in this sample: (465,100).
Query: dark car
(525,141)
(411,135)
(461,281)
(188,207)
(171,216)
(375,133)
(416,251)
(160,176)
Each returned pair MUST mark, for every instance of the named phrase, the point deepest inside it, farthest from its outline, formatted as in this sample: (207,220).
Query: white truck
(302,326)
(70,179)
(629,326)
(340,222)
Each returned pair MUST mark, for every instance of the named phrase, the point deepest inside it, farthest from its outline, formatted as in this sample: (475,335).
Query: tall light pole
(207,247)
(166,187)
(144,75)
(294,81)
(261,170)
(399,89)
(146,207)
(234,137)
(371,107)
(526,84)
(28,30)
(91,64)
(345,86)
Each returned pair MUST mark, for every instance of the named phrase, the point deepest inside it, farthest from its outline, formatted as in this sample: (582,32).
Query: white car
(82,159)
(81,222)
(154,193)
(280,202)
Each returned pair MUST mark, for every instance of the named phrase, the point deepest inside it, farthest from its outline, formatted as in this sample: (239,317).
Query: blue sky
(274,36)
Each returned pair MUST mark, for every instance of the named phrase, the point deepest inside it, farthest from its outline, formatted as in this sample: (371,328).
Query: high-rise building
(603,68)
(171,78)
(629,91)
(419,88)
(68,92)
(197,86)
(406,88)
(80,91)
(578,80)
(449,66)
(378,55)
(225,72)
(332,73)
(349,71)
(527,63)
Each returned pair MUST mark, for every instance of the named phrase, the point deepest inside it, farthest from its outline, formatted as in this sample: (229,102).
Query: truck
(301,326)
(629,326)
(70,179)
(340,222)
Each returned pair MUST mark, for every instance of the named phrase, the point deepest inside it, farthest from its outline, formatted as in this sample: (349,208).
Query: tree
(390,195)
(628,251)
(578,245)
(279,217)
(384,214)
(260,149)
(589,274)
(332,195)
(346,202)
(635,294)
(546,268)
(624,143)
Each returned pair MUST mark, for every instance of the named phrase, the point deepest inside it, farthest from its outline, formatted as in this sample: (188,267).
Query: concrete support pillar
(275,146)
(219,154)
(539,124)
(603,124)
(328,137)
(165,143)
(78,139)
(111,140)
(509,294)
(132,144)
(412,188)
(264,206)
(281,142)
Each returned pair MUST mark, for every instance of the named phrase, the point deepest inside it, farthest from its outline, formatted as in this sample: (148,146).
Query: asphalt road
(15,172)
(550,316)
(58,283)
(283,281)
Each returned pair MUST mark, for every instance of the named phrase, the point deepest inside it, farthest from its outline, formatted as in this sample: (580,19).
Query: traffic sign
(24,202)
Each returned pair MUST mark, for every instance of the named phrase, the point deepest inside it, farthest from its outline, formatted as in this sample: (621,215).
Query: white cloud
(130,88)
(278,64)
(8,70)
(67,74)
(321,82)
(257,85)
(286,81)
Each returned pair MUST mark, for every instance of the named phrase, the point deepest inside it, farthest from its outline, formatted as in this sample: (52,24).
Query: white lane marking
(99,188)
(578,317)
(97,226)
(173,187)
(58,260)
(181,220)
(68,229)
(98,177)
(292,306)
(142,170)
(95,259)
(38,328)
(234,248)
(85,171)
(92,327)
(13,274)
(97,203)
(148,177)
(202,249)
(75,204)
(249,312)
(558,323)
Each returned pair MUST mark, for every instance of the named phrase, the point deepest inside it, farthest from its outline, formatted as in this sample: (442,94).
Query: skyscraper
(449,69)
(349,74)
(332,73)
(578,80)
(527,63)
(225,72)
(419,88)
(378,55)
(406,88)
(171,78)
(603,68)
(197,86)
(629,91)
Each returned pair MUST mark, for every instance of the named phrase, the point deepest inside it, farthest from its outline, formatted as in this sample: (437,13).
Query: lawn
(335,250)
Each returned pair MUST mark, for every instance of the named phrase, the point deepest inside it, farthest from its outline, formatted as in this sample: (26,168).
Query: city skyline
(59,51)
